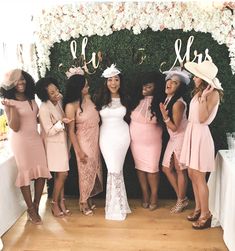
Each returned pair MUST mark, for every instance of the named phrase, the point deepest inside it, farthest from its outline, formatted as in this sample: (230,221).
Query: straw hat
(110,72)
(10,79)
(206,71)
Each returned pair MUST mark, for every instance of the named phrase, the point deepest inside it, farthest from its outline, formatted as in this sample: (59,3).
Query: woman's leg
(182,180)
(38,189)
(153,180)
(33,216)
(59,180)
(172,177)
(142,176)
(203,192)
(62,199)
(192,176)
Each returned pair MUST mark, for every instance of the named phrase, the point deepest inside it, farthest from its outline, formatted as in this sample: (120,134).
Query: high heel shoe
(91,204)
(85,210)
(60,214)
(203,222)
(194,216)
(63,208)
(145,205)
(152,207)
(33,217)
(36,207)
(180,206)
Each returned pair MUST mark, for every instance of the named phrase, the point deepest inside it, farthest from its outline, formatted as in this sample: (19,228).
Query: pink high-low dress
(174,145)
(198,147)
(27,145)
(146,137)
(87,131)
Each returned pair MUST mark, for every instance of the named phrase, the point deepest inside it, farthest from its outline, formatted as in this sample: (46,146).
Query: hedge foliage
(122,48)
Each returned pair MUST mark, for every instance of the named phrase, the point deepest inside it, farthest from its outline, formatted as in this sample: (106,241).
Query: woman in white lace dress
(114,142)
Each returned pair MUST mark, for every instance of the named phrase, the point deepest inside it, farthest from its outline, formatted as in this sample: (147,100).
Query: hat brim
(193,68)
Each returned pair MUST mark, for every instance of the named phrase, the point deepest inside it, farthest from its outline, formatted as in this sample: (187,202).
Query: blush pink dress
(174,145)
(146,137)
(27,145)
(55,142)
(198,147)
(87,131)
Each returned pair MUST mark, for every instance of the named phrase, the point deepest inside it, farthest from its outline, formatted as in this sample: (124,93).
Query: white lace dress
(114,143)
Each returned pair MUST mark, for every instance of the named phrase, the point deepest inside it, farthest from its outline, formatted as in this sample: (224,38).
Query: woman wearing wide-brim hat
(198,146)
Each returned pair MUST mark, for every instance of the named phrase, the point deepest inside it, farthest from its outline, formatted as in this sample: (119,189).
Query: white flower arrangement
(86,19)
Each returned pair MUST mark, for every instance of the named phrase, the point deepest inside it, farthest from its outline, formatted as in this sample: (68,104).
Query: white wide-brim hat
(10,78)
(179,72)
(206,70)
(110,72)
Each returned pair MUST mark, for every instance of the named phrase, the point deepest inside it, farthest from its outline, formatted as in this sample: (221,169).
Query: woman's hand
(209,89)
(67,120)
(163,111)
(82,157)
(7,102)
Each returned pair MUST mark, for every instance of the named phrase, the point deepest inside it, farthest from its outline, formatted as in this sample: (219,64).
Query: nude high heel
(60,214)
(63,208)
(33,217)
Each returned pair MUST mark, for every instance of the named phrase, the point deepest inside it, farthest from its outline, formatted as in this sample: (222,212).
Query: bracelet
(166,120)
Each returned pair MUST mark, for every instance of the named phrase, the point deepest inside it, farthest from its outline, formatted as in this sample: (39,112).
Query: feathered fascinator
(185,75)
(74,71)
(110,72)
(10,79)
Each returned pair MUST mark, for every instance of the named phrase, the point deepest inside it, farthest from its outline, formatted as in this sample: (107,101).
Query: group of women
(75,120)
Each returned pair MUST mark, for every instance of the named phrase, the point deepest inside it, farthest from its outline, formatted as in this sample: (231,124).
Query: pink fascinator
(10,79)
(74,71)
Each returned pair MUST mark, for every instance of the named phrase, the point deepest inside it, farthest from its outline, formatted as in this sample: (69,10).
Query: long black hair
(73,90)
(158,93)
(181,92)
(29,89)
(103,96)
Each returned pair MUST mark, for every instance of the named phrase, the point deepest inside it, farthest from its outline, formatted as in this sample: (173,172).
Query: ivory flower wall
(64,22)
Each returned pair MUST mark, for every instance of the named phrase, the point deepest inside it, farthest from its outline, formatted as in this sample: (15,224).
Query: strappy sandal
(91,204)
(194,216)
(86,210)
(145,205)
(180,206)
(60,214)
(203,222)
(152,207)
(63,208)
(33,217)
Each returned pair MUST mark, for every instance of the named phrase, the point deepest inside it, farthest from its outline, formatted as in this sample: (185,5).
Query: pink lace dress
(198,147)
(146,137)
(175,142)
(87,131)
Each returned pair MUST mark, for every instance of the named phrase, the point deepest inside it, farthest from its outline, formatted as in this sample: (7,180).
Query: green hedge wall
(121,48)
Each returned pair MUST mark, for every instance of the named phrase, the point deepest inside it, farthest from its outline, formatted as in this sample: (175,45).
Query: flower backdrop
(64,22)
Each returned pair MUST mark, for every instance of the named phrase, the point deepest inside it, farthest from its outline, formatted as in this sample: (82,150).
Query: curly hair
(158,93)
(29,90)
(41,87)
(73,90)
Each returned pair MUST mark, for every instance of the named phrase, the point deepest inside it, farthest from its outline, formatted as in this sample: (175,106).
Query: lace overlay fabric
(142,112)
(87,132)
(115,103)
(116,206)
